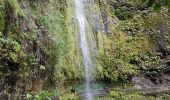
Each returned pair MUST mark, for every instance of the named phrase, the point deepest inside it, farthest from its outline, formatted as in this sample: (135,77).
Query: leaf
(28,96)
(42,67)
(37,97)
(13,56)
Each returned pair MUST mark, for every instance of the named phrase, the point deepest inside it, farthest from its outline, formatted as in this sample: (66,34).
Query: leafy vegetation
(43,95)
(132,45)
(123,96)
(157,4)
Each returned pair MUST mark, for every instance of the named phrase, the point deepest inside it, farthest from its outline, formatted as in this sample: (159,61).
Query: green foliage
(165,96)
(60,44)
(9,49)
(43,95)
(44,21)
(15,5)
(117,64)
(10,67)
(157,25)
(60,49)
(135,96)
(157,4)
(69,96)
(149,26)
(132,27)
(151,62)
(2,15)
(53,22)
(133,48)
(124,12)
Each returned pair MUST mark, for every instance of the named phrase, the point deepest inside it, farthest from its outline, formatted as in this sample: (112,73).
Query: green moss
(42,95)
(9,49)
(124,13)
(2,15)
(132,46)
(69,96)
(157,27)
(135,96)
(117,61)
(15,5)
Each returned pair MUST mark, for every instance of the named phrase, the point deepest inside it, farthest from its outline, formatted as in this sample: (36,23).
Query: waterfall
(82,20)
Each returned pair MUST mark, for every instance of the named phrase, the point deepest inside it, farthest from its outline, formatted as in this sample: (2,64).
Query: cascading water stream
(80,16)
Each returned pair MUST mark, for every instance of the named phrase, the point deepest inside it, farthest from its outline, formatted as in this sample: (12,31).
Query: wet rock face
(151,81)
(162,80)
(142,82)
(95,20)
(161,33)
(153,78)
(165,79)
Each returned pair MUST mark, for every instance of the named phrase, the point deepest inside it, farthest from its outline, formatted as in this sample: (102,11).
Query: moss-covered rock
(123,96)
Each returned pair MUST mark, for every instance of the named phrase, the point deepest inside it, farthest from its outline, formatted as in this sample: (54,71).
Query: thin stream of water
(80,16)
